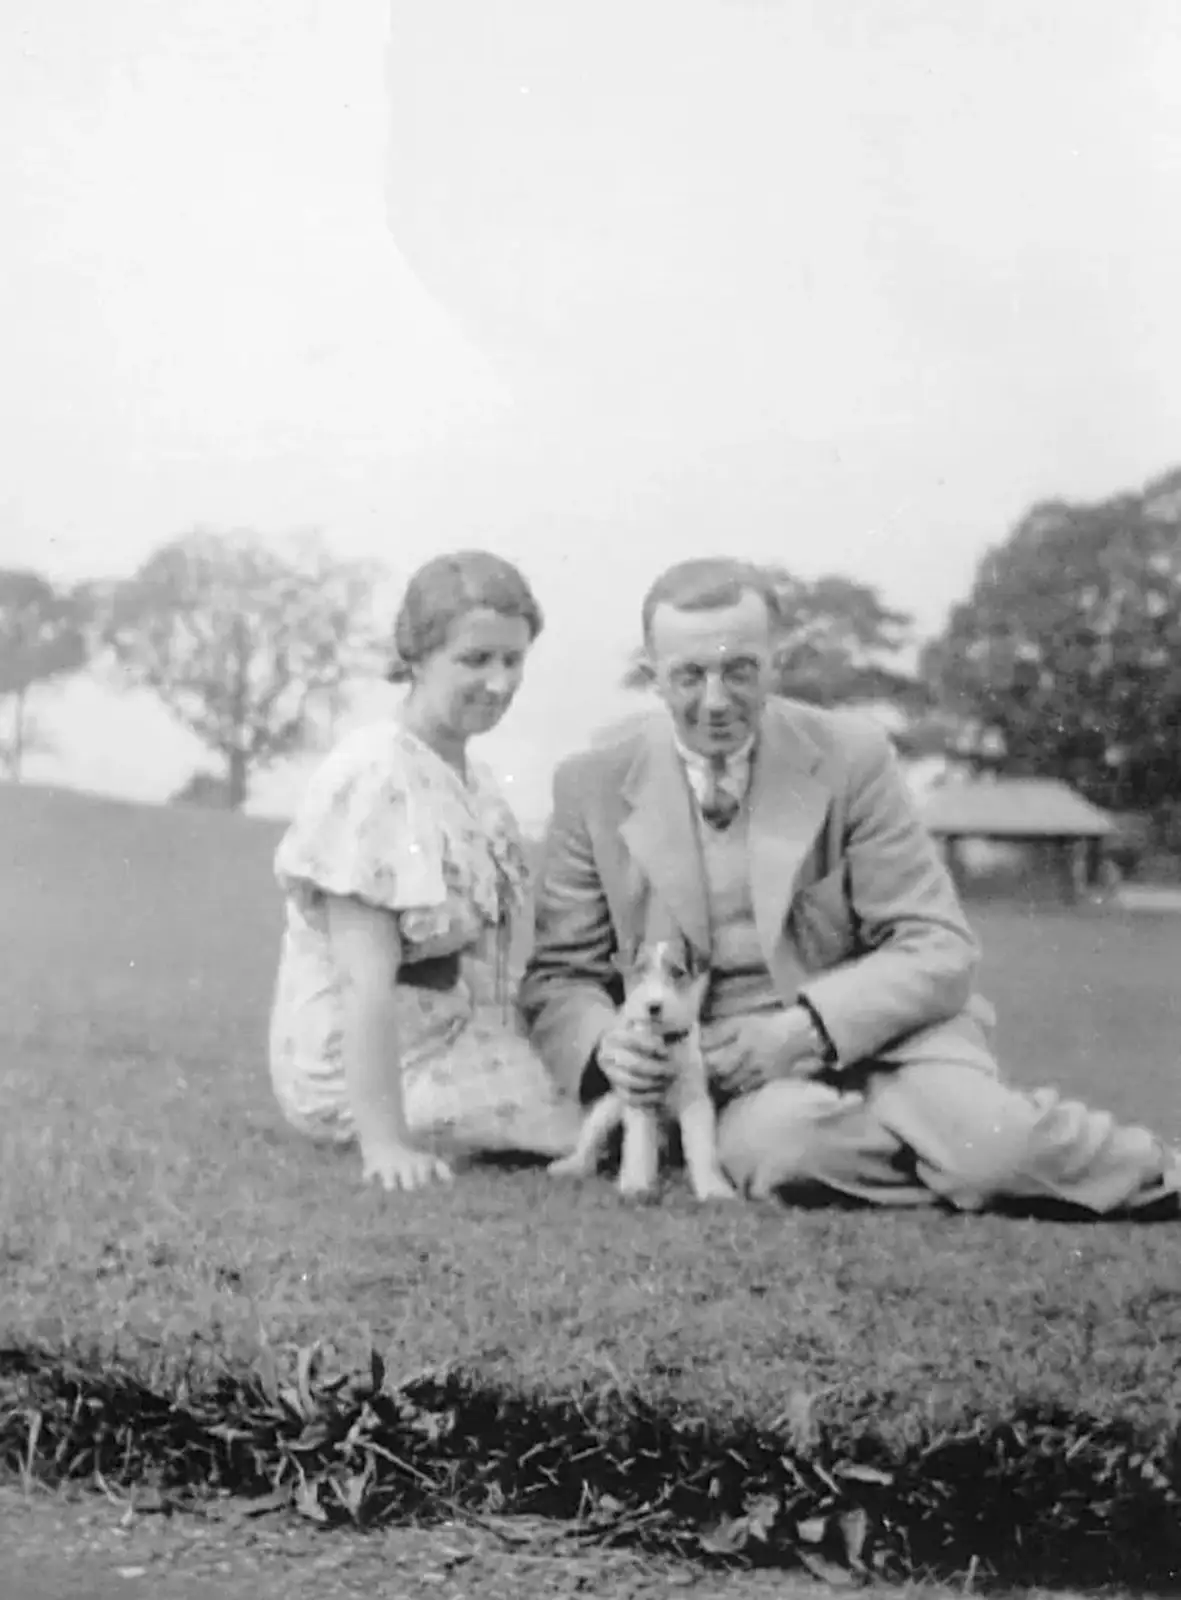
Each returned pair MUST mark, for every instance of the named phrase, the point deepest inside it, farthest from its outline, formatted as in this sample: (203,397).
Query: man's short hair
(710,584)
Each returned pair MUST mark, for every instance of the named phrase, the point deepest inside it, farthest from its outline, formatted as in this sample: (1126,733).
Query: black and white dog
(664,992)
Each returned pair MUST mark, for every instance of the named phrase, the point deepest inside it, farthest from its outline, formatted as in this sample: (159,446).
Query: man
(783,843)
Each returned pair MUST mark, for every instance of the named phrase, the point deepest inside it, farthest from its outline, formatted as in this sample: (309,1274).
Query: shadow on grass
(1042,1497)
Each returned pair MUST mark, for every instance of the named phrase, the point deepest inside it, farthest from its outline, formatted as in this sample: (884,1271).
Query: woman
(392,1022)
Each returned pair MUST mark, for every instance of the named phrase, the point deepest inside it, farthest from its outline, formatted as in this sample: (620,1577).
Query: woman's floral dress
(387,821)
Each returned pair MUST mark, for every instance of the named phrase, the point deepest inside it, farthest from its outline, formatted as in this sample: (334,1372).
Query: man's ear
(641,674)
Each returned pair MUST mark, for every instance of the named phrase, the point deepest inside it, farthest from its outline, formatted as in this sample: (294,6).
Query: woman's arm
(368,952)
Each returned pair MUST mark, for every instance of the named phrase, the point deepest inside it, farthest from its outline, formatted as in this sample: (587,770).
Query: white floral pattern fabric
(385,820)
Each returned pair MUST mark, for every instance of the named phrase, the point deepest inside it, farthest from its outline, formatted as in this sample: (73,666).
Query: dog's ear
(698,984)
(696,965)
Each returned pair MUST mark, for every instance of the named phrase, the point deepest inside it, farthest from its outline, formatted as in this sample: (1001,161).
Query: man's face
(713,670)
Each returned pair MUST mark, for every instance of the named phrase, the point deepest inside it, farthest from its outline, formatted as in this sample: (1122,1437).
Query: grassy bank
(153,1207)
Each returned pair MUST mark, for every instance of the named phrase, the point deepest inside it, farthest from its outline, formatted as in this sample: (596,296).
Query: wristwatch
(825,1048)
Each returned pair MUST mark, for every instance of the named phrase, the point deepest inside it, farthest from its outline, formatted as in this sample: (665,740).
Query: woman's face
(468,684)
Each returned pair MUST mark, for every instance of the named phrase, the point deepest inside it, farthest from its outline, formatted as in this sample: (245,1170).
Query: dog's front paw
(571,1166)
(715,1187)
(637,1188)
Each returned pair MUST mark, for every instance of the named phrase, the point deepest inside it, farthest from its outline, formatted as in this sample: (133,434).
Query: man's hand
(636,1064)
(743,1053)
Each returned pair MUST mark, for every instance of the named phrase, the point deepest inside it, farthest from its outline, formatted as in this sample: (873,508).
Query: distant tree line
(1063,660)
(247,642)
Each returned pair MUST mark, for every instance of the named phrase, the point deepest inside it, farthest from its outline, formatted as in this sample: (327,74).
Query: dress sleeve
(364,830)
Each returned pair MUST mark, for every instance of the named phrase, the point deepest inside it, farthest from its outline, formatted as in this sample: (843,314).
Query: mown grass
(151,1200)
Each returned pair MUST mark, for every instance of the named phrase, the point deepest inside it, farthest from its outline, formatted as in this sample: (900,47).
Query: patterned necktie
(719,805)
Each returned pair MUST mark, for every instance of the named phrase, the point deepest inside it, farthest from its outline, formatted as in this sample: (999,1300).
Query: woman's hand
(401,1166)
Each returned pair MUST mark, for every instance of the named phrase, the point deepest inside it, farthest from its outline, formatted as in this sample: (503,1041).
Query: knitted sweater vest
(741,981)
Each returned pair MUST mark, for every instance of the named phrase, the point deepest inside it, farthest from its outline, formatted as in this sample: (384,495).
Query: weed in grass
(1041,1496)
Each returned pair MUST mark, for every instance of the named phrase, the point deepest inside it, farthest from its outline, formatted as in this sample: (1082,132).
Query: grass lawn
(151,1198)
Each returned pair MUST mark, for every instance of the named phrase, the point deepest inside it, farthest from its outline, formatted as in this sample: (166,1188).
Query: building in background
(1029,838)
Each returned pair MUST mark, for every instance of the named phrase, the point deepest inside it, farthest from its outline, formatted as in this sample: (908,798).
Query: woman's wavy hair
(447,588)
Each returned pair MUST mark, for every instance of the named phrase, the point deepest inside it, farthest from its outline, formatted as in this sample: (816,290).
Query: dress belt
(440,973)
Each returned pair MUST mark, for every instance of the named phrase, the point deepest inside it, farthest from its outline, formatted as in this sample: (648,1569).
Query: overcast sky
(841,283)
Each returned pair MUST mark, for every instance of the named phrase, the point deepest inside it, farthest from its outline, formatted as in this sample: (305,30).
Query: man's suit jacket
(847,887)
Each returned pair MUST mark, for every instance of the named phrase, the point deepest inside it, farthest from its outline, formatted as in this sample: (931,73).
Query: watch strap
(828,1053)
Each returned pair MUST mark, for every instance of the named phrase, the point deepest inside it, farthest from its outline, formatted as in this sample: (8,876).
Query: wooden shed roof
(1014,808)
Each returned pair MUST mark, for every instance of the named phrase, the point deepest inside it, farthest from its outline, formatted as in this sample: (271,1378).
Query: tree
(1068,648)
(201,788)
(42,637)
(841,646)
(244,640)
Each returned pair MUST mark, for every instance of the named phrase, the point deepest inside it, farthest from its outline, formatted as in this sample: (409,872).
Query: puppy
(664,994)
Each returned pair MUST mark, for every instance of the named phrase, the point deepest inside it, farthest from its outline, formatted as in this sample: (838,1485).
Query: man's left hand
(743,1053)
